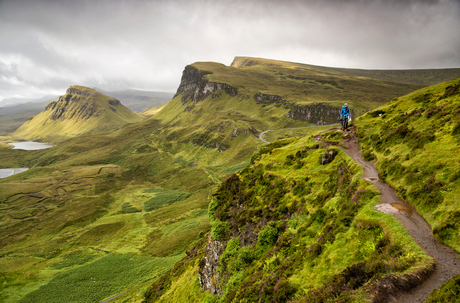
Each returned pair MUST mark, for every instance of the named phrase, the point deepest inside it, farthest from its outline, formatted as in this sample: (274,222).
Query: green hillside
(291,229)
(422,77)
(416,140)
(121,198)
(80,111)
(287,228)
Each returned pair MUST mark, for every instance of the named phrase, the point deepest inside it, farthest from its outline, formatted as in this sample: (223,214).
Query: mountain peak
(81,110)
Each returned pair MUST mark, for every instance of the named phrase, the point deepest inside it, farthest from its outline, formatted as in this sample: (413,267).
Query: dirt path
(447,260)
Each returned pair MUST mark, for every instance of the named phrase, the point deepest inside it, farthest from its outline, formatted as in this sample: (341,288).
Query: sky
(48,45)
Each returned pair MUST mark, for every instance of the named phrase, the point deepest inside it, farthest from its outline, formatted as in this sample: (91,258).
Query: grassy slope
(98,193)
(109,117)
(318,237)
(423,77)
(90,194)
(416,142)
(303,84)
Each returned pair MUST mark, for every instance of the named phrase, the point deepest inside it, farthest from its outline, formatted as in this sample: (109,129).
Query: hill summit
(81,110)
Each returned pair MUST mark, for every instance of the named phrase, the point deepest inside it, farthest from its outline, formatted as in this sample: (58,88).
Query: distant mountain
(139,100)
(217,106)
(11,117)
(422,77)
(17,101)
(81,110)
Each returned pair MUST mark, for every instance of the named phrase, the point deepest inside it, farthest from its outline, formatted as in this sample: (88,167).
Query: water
(30,145)
(395,208)
(6,172)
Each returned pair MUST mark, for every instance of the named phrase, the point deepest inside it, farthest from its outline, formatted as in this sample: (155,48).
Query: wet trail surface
(446,259)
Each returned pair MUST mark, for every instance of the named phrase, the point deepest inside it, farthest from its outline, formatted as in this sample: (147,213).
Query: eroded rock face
(66,108)
(208,273)
(264,98)
(114,102)
(196,87)
(78,104)
(317,113)
(76,91)
(328,156)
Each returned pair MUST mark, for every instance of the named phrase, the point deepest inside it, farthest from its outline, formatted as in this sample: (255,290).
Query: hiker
(345,115)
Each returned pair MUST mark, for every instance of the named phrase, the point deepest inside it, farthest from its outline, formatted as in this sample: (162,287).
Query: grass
(88,196)
(449,292)
(86,112)
(162,197)
(415,145)
(107,276)
(304,227)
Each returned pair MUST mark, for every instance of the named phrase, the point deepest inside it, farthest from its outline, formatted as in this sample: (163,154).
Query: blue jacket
(345,112)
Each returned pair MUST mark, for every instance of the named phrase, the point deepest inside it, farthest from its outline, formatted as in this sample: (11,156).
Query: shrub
(219,229)
(267,236)
(127,208)
(368,156)
(456,129)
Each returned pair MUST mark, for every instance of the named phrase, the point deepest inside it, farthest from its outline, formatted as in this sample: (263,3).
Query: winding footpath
(446,259)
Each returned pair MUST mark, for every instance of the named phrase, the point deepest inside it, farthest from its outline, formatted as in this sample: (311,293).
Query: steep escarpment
(291,227)
(317,113)
(215,104)
(196,87)
(81,110)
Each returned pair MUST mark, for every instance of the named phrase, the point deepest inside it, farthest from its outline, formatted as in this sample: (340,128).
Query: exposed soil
(447,261)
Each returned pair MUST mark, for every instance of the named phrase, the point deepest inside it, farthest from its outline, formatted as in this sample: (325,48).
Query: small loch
(30,145)
(6,172)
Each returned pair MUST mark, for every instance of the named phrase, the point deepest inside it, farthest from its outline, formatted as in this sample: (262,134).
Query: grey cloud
(49,45)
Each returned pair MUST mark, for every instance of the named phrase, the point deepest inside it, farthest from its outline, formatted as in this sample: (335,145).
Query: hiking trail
(446,259)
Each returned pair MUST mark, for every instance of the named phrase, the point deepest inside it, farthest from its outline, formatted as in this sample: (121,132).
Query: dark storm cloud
(46,46)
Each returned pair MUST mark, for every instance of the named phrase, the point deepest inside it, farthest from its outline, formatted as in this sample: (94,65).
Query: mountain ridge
(423,77)
(81,110)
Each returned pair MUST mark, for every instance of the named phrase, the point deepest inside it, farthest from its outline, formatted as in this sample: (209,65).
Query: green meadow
(125,202)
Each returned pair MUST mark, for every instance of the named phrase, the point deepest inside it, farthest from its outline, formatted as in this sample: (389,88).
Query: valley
(129,203)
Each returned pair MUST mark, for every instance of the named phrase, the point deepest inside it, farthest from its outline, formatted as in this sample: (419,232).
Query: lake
(30,145)
(6,172)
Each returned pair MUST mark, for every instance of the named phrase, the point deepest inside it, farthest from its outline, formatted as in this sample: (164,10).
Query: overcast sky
(46,46)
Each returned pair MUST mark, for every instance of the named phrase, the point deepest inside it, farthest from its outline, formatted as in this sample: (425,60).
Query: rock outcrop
(328,157)
(196,87)
(77,103)
(208,273)
(264,98)
(317,113)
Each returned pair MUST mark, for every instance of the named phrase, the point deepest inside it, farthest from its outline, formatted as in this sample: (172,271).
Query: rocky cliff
(196,87)
(78,103)
(208,273)
(317,113)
